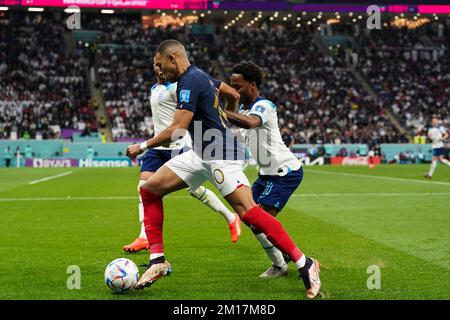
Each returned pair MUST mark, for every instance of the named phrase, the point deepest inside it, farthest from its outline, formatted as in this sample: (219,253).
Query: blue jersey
(209,129)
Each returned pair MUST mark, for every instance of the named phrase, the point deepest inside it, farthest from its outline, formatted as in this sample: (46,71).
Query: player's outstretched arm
(243,121)
(230,96)
(177,129)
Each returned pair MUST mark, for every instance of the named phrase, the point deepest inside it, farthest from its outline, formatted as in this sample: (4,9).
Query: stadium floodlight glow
(179,14)
(304,13)
(309,23)
(319,28)
(72,10)
(271,18)
(289,15)
(354,20)
(107,11)
(209,11)
(194,11)
(4,8)
(319,16)
(360,17)
(436,18)
(226,27)
(350,14)
(233,21)
(314,20)
(203,15)
(298,18)
(158,11)
(34,9)
(163,14)
(298,25)
(338,17)
(175,11)
(285,19)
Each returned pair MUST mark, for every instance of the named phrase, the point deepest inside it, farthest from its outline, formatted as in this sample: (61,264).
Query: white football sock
(432,167)
(210,199)
(141,211)
(272,252)
(446,162)
(156,255)
(300,263)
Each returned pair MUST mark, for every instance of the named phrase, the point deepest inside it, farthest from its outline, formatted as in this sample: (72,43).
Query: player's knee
(198,193)
(153,185)
(140,184)
(270,210)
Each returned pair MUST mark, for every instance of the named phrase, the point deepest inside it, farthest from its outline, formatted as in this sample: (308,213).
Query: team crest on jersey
(260,108)
(185,95)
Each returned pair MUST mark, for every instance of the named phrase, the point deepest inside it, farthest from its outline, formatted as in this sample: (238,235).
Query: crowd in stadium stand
(316,95)
(43,89)
(410,71)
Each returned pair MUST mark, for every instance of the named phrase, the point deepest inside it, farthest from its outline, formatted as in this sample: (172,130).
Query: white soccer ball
(121,275)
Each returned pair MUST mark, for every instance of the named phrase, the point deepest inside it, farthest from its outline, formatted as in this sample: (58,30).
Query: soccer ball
(121,275)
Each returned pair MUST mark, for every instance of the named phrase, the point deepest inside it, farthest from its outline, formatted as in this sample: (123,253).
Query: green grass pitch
(349,218)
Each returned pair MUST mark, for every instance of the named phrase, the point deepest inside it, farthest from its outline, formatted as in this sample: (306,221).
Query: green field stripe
(369,223)
(392,179)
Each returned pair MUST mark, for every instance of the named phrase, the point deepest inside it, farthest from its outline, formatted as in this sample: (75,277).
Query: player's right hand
(133,151)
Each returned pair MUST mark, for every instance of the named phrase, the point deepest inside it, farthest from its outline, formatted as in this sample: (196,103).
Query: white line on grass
(304,195)
(379,177)
(51,177)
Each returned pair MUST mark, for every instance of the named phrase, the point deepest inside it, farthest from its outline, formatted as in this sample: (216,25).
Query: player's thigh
(164,181)
(241,200)
(145,175)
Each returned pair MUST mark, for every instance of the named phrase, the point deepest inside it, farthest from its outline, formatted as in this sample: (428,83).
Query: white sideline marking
(51,177)
(379,177)
(304,195)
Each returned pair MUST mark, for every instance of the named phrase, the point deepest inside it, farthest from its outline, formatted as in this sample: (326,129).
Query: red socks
(273,230)
(153,220)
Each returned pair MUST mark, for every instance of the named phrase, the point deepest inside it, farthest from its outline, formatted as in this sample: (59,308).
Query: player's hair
(169,44)
(249,71)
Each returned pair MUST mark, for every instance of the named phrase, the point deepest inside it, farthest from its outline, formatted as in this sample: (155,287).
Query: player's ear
(171,58)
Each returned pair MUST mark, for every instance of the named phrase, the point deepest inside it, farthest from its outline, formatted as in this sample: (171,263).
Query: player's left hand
(133,151)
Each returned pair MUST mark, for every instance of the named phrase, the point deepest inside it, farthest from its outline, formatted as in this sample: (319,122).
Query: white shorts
(226,175)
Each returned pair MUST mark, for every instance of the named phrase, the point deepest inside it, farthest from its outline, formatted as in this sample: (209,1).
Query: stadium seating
(43,87)
(316,95)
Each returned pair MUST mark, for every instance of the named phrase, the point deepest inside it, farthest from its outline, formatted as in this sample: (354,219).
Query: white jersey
(436,134)
(265,143)
(163,101)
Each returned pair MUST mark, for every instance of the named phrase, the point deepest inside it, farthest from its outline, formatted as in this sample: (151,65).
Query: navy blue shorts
(154,159)
(274,191)
(439,152)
